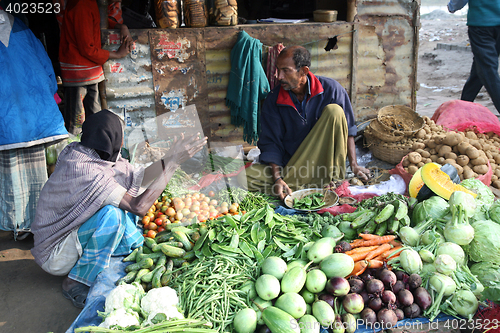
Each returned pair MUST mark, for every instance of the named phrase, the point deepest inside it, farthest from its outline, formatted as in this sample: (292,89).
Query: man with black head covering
(86,209)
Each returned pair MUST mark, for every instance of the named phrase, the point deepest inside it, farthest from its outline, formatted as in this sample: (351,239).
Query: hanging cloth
(272,71)
(247,86)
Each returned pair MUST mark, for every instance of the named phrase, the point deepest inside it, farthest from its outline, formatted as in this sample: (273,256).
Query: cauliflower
(125,296)
(121,317)
(160,300)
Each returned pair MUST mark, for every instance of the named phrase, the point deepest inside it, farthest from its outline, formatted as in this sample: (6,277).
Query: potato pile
(467,151)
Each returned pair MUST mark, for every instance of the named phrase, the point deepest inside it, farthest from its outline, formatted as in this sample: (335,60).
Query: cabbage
(494,211)
(489,275)
(486,243)
(484,198)
(435,207)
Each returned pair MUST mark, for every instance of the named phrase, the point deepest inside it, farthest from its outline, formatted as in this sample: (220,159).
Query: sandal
(77,295)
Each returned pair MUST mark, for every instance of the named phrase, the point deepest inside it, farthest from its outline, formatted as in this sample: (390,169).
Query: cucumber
(153,255)
(165,278)
(149,242)
(140,251)
(163,236)
(171,251)
(156,282)
(148,277)
(161,261)
(157,247)
(384,214)
(145,263)
(181,237)
(178,262)
(131,256)
(278,321)
(189,256)
(140,274)
(129,278)
(146,250)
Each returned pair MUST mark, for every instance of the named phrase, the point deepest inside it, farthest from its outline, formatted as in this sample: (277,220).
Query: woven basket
(401,118)
(376,129)
(388,152)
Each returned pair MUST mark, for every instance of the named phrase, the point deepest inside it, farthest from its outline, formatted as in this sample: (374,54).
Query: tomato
(211,194)
(159,205)
(170,211)
(151,234)
(146,219)
(233,209)
(179,216)
(224,210)
(160,229)
(164,208)
(151,216)
(151,226)
(159,221)
(213,202)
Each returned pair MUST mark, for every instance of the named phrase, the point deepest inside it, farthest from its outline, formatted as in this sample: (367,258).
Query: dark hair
(300,55)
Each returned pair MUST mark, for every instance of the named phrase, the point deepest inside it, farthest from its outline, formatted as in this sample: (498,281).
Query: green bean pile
(227,165)
(212,289)
(174,325)
(247,200)
(179,184)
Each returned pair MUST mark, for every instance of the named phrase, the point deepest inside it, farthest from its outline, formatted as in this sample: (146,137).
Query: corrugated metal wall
(375,61)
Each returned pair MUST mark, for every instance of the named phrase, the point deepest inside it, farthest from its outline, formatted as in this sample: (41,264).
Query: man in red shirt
(82,57)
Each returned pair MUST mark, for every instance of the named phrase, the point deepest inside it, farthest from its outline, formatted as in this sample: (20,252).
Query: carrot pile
(372,251)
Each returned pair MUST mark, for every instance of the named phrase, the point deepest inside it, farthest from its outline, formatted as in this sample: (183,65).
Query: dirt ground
(31,300)
(441,73)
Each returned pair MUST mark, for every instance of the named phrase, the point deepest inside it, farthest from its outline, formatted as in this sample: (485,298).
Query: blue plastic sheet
(96,298)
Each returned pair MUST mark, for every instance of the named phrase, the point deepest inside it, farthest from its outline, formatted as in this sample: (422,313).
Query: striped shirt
(81,184)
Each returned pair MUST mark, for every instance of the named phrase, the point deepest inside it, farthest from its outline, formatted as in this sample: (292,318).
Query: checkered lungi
(23,172)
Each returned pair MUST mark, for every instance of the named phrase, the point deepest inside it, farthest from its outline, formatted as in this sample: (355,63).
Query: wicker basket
(389,152)
(401,118)
(376,129)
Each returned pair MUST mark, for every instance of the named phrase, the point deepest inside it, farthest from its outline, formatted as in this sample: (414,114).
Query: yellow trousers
(320,158)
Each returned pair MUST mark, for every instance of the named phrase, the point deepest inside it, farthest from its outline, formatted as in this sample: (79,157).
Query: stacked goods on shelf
(224,12)
(168,13)
(195,14)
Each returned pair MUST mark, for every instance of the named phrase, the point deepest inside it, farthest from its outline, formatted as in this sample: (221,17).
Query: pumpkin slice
(439,181)
(417,188)
(416,183)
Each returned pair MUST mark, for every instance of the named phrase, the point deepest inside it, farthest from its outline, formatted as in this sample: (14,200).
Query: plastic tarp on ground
(96,298)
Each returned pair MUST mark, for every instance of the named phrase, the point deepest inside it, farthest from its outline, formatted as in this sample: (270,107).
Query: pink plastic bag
(460,115)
